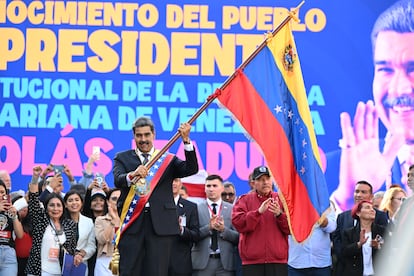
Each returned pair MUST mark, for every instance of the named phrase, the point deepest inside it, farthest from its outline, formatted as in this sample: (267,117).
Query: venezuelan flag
(268,98)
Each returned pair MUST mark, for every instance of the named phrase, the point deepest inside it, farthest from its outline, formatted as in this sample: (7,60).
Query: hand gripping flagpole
(114,264)
(212,97)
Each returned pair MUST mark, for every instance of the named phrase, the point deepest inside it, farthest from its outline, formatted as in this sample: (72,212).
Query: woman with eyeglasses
(52,232)
(391,202)
(105,229)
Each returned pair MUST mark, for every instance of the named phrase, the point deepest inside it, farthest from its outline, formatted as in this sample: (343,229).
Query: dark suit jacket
(343,222)
(162,206)
(227,240)
(352,255)
(181,255)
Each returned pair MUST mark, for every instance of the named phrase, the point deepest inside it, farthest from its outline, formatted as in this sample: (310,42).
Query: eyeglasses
(399,198)
(114,198)
(227,194)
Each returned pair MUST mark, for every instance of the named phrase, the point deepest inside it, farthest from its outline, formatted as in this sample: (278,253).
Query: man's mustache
(405,100)
(143,143)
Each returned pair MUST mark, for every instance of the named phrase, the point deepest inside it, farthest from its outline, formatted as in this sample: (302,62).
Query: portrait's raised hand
(361,155)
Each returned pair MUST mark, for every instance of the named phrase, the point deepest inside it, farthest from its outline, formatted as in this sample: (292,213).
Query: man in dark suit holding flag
(149,215)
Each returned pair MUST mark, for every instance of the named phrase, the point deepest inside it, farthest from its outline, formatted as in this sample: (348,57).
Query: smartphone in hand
(96,150)
(58,169)
(7,198)
(100,178)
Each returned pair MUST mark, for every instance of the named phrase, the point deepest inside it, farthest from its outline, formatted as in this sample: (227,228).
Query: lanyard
(211,210)
(56,232)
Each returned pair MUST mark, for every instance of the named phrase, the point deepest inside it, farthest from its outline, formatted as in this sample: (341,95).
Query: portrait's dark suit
(352,255)
(145,246)
(181,255)
(343,222)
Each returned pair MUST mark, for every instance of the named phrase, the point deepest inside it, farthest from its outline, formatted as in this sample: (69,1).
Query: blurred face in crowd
(74,203)
(23,212)
(397,200)
(228,194)
(98,204)
(362,192)
(376,202)
(367,211)
(55,208)
(183,193)
(176,186)
(5,177)
(56,182)
(263,184)
(410,179)
(113,199)
(3,192)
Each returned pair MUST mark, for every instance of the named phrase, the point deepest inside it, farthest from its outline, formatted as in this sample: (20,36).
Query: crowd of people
(146,219)
(224,234)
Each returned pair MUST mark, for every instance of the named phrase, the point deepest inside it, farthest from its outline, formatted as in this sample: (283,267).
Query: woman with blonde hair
(391,202)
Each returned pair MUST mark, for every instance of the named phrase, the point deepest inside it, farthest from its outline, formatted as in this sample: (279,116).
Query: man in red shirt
(259,218)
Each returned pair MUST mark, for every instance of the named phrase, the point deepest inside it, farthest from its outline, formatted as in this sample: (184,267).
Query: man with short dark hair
(183,192)
(229,193)
(148,212)
(213,254)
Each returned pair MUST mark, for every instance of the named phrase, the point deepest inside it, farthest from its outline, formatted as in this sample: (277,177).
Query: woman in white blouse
(86,245)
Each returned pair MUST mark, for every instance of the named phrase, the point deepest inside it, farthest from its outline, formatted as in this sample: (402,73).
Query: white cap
(20,204)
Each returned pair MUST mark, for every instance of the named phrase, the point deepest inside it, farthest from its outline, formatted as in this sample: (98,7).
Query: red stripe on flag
(246,104)
(195,190)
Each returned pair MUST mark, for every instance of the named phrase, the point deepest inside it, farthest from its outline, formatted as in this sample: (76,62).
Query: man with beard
(363,154)
(149,222)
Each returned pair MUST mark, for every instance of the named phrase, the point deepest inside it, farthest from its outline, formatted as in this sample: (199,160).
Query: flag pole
(212,97)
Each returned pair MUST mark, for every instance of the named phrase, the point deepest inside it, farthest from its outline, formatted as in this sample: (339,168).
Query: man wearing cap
(263,228)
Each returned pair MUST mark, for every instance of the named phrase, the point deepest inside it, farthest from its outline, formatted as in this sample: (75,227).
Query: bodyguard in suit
(213,254)
(149,227)
(362,192)
(180,264)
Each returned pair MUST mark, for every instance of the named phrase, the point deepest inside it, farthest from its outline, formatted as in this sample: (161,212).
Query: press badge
(53,254)
(183,221)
